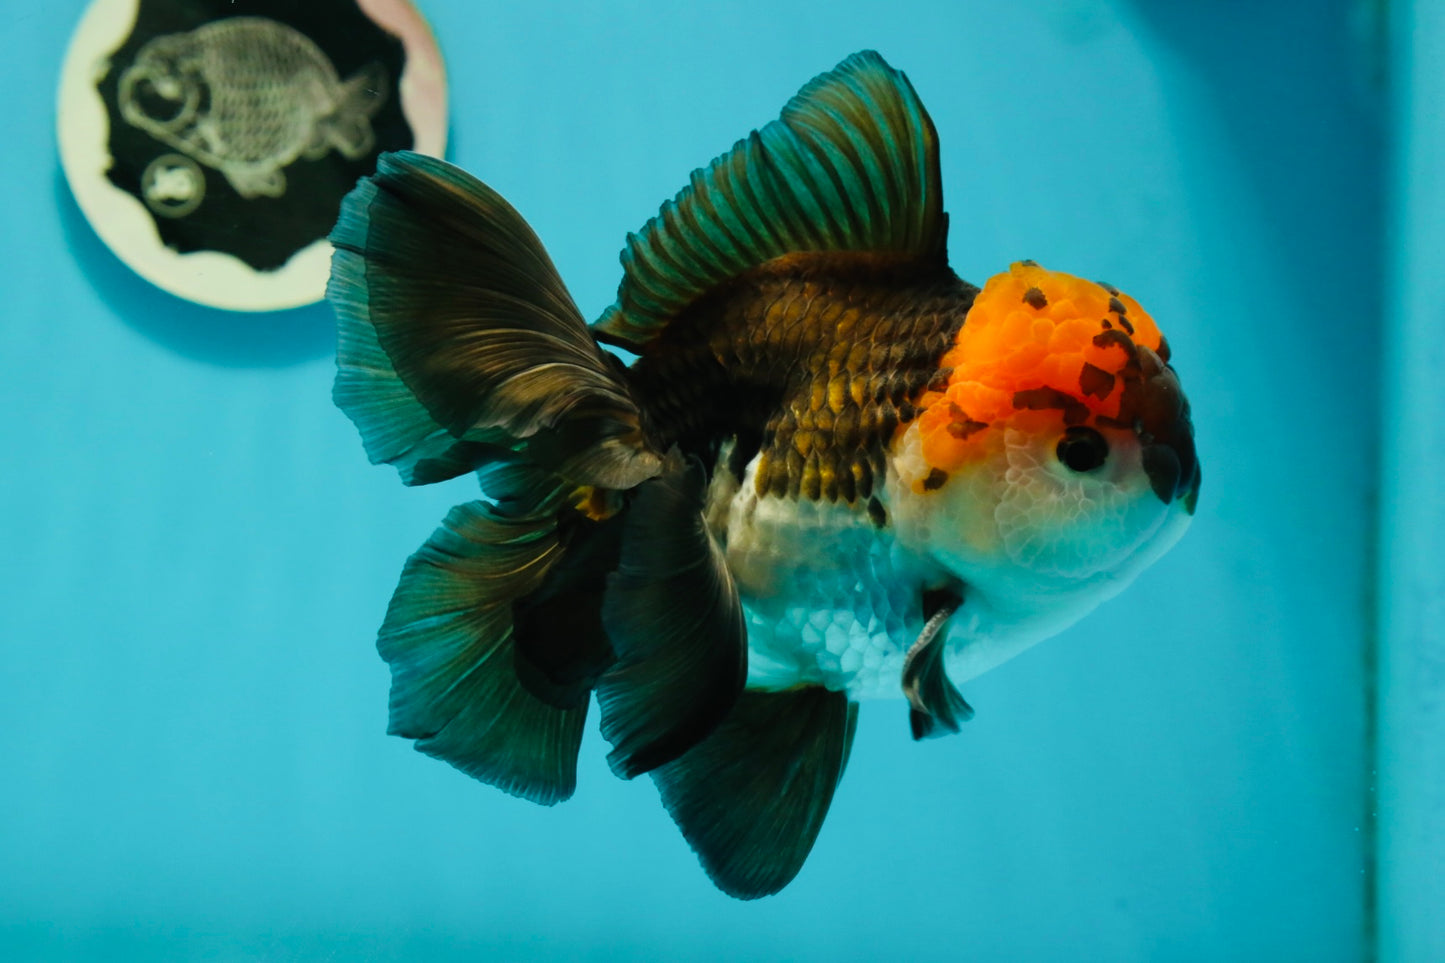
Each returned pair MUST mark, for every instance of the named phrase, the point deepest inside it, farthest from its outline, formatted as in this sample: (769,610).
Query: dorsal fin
(851,166)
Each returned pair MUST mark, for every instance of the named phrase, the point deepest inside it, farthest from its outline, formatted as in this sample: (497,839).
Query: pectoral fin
(936,707)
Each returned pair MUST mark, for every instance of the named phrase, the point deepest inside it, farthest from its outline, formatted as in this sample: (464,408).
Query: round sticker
(210,147)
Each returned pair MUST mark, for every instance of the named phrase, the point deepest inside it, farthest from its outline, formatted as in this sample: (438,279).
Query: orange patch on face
(1030,328)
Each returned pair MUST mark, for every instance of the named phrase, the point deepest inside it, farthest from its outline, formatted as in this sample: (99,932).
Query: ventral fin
(850,167)
(936,708)
(751,797)
(448,637)
(673,616)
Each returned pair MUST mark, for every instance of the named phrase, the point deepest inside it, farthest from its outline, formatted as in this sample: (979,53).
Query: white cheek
(1055,522)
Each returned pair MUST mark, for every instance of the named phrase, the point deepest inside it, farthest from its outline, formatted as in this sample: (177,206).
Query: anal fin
(936,708)
(751,797)
(673,616)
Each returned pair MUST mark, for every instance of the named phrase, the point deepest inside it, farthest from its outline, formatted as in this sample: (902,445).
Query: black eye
(1083,449)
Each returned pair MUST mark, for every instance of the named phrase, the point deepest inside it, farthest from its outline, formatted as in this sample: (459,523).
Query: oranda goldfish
(834,471)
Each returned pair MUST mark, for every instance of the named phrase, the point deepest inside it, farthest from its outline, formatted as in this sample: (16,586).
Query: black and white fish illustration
(248,96)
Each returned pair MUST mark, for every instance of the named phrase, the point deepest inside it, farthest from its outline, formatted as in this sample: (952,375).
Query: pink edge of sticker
(423,81)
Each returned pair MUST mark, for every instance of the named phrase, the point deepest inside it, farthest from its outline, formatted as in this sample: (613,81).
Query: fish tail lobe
(519,608)
(458,342)
(450,637)
(590,566)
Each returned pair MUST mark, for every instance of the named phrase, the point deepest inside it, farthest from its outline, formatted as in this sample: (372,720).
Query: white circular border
(126,226)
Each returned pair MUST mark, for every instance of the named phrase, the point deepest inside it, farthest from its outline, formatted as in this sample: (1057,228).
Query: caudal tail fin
(589,567)
(458,340)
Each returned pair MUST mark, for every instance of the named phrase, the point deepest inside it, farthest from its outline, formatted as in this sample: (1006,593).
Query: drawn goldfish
(247,96)
(834,471)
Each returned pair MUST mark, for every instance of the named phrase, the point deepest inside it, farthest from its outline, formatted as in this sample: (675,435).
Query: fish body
(247,96)
(834,471)
(818,496)
(828,365)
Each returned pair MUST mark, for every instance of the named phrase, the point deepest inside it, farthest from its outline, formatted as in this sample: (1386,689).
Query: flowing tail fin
(458,339)
(590,567)
(449,639)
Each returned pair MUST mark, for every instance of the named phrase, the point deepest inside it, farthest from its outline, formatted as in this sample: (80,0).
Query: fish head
(1054,456)
(164,88)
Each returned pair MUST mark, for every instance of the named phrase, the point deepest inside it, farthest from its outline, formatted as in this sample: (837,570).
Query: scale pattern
(811,363)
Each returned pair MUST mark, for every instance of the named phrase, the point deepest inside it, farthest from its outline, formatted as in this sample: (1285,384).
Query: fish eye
(1082,449)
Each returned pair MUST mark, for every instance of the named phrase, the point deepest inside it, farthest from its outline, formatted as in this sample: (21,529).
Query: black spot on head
(1035,299)
(936,479)
(1039,399)
(1113,337)
(1029,263)
(1163,351)
(960,425)
(966,428)
(1107,325)
(1117,306)
(1108,287)
(1124,323)
(876,513)
(1095,381)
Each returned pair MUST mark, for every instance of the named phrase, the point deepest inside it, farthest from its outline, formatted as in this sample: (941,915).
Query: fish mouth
(1165,433)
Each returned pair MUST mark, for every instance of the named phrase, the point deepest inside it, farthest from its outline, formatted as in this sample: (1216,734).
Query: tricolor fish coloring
(834,470)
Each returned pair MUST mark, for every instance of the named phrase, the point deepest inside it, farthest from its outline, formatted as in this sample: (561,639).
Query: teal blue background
(196,554)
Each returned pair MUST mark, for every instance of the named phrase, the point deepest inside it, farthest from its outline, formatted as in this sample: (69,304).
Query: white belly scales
(829,598)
